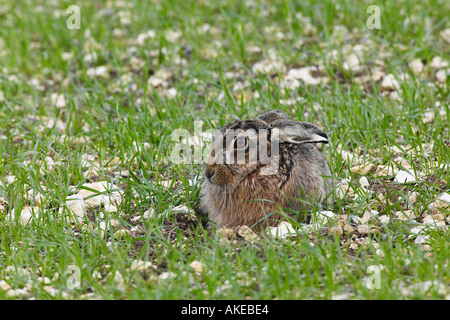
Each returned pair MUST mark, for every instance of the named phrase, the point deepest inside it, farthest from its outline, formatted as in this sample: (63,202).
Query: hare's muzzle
(209,172)
(217,175)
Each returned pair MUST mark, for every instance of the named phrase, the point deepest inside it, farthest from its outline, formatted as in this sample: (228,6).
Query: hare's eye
(241,143)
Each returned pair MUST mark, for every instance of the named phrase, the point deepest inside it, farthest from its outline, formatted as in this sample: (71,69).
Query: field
(93,205)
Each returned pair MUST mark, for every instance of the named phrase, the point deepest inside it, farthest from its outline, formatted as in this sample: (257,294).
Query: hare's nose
(209,171)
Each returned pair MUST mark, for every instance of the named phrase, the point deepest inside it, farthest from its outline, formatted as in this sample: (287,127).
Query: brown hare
(258,166)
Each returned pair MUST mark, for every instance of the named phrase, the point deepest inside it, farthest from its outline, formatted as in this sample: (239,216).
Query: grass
(205,50)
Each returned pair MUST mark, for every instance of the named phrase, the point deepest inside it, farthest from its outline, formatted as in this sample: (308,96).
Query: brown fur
(230,193)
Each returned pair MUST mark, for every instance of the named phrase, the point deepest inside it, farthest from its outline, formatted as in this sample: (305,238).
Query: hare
(258,166)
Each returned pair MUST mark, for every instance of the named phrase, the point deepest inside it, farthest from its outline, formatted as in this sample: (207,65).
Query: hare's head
(266,159)
(235,155)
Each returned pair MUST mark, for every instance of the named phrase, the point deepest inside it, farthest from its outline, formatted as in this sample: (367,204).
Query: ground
(95,98)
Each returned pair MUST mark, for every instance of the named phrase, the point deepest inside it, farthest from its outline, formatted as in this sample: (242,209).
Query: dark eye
(241,143)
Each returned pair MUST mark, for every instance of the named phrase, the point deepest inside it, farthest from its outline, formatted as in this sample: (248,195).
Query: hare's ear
(300,132)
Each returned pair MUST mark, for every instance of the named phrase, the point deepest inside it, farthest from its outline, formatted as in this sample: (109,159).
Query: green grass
(211,53)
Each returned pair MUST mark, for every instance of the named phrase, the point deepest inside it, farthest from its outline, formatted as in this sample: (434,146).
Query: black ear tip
(323,134)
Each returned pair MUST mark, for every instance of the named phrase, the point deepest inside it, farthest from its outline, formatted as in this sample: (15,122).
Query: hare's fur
(240,194)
